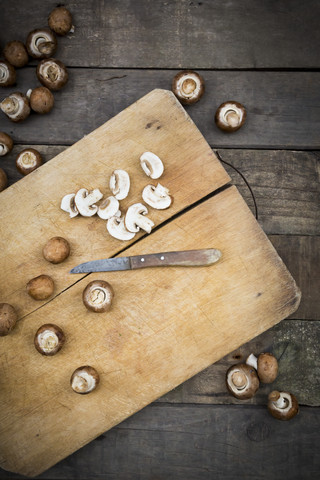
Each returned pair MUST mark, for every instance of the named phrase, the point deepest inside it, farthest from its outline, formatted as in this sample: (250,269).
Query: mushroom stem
(252,361)
(239,380)
(9,105)
(232,118)
(278,400)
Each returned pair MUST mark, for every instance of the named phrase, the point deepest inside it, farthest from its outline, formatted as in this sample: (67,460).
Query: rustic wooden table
(265,55)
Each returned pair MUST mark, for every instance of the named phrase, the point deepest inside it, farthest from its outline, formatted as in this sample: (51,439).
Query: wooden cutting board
(166,324)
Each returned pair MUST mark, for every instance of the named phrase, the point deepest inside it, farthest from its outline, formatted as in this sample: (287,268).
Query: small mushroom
(108,208)
(84,379)
(3,180)
(56,250)
(28,160)
(157,197)
(49,339)
(85,201)
(266,365)
(8,318)
(60,21)
(68,205)
(41,43)
(41,287)
(188,86)
(230,116)
(16,107)
(117,229)
(120,184)
(282,405)
(97,296)
(151,165)
(242,381)
(16,53)
(7,74)
(41,100)
(52,74)
(136,218)
(6,144)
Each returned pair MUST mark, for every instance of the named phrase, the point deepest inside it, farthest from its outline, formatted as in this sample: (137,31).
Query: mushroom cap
(41,100)
(98,296)
(151,165)
(8,318)
(16,106)
(242,381)
(3,180)
(117,229)
(41,287)
(68,205)
(267,367)
(6,144)
(85,201)
(52,74)
(84,379)
(60,20)
(16,53)
(28,160)
(188,86)
(56,250)
(157,197)
(119,184)
(282,405)
(230,116)
(7,74)
(108,208)
(41,43)
(135,218)
(49,339)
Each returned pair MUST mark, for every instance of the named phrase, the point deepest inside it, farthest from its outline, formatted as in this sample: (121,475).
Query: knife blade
(186,258)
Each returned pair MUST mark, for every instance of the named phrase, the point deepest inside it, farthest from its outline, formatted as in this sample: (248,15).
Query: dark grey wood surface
(267,55)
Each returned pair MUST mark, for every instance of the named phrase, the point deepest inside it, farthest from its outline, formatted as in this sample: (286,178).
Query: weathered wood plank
(294,343)
(283,108)
(178,442)
(178,33)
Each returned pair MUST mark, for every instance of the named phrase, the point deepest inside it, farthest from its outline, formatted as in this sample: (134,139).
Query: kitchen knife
(187,258)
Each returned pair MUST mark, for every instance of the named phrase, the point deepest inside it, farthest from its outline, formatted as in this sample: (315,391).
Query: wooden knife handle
(186,258)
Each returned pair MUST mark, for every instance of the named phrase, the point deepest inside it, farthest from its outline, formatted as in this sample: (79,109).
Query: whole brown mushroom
(6,144)
(266,365)
(52,74)
(41,100)
(56,250)
(28,160)
(84,379)
(7,74)
(8,318)
(49,339)
(97,296)
(41,287)
(41,43)
(242,381)
(230,116)
(3,180)
(60,21)
(282,405)
(16,106)
(188,86)
(16,53)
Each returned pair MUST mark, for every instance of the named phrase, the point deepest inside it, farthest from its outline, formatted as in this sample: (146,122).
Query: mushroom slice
(117,229)
(230,116)
(6,144)
(7,74)
(85,201)
(151,165)
(157,197)
(120,184)
(266,365)
(108,208)
(188,86)
(84,379)
(242,381)
(136,218)
(16,107)
(282,405)
(68,205)
(41,43)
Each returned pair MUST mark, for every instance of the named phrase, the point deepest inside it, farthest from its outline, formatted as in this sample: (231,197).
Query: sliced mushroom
(68,205)
(230,116)
(157,197)
(49,339)
(266,365)
(28,160)
(41,43)
(56,250)
(7,74)
(52,74)
(6,144)
(98,296)
(60,21)
(151,165)
(136,218)
(242,381)
(8,318)
(3,180)
(85,201)
(41,100)
(282,405)
(117,229)
(16,53)
(108,208)
(84,379)
(41,287)
(188,86)
(16,107)
(120,184)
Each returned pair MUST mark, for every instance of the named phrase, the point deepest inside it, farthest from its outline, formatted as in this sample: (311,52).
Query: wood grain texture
(179,33)
(186,320)
(198,443)
(282,108)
